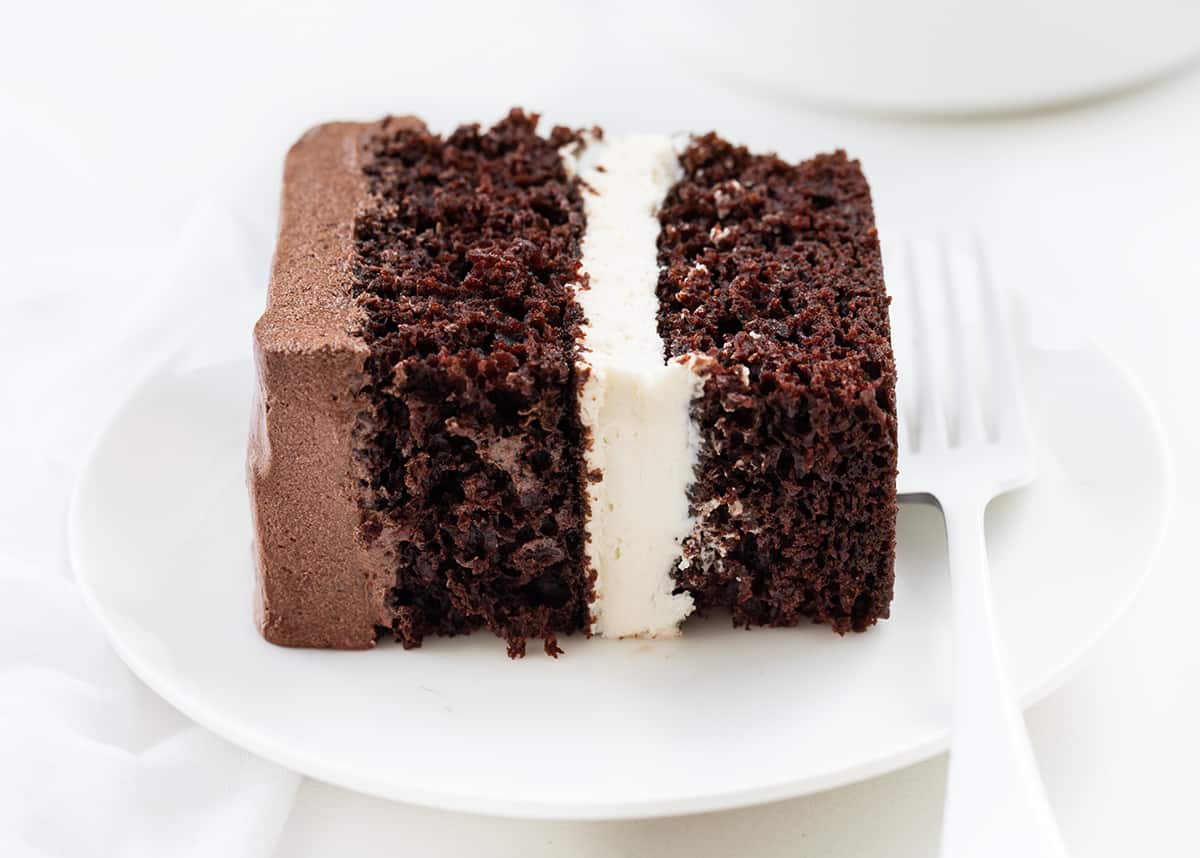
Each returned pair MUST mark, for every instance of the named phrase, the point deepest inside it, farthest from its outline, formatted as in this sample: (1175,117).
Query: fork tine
(965,415)
(930,416)
(903,342)
(1008,405)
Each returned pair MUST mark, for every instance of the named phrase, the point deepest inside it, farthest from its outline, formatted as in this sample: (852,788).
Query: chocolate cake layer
(470,443)
(774,271)
(415,463)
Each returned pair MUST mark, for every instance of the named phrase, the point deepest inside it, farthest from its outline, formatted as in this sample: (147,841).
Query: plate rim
(926,746)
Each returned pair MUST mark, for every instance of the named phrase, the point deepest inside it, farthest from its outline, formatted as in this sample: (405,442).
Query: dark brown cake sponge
(774,270)
(466,252)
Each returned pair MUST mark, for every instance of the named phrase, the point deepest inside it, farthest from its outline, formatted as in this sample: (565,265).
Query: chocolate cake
(555,383)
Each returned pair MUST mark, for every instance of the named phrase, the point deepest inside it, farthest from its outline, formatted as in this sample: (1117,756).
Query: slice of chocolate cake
(554,383)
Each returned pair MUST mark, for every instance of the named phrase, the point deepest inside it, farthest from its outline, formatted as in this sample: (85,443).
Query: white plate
(160,539)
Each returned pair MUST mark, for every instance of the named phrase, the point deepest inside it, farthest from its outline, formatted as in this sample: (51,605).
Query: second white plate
(160,538)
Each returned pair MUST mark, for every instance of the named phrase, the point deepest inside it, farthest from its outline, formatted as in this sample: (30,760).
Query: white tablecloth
(91,761)
(126,133)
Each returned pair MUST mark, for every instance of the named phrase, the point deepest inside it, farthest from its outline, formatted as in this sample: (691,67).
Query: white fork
(965,440)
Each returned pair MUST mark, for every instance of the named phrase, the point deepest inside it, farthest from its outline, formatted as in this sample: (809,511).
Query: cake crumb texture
(774,270)
(470,451)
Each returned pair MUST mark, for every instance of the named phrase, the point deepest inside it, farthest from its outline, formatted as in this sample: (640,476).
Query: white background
(152,108)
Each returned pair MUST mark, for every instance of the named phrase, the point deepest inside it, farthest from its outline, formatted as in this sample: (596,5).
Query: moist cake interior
(776,269)
(471,450)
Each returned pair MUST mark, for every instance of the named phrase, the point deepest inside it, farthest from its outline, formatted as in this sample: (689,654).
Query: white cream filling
(636,406)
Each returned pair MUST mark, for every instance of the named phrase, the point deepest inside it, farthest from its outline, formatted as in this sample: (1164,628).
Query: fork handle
(995,802)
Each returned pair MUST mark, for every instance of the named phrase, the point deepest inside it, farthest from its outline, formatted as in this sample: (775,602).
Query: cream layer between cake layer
(635,404)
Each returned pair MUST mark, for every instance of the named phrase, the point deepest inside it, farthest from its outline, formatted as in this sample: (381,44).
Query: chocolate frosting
(319,584)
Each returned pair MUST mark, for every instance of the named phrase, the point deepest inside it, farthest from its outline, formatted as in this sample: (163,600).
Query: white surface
(968,440)
(120,109)
(143,549)
(636,406)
